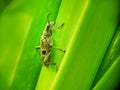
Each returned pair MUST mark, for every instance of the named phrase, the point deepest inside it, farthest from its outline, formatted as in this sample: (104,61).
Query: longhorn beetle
(46,43)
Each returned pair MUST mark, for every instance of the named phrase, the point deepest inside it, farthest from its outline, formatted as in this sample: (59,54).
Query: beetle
(46,43)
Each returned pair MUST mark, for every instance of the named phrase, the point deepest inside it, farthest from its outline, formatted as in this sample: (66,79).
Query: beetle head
(49,28)
(50,25)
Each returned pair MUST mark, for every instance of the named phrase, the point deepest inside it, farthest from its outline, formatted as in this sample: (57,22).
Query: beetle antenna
(48,17)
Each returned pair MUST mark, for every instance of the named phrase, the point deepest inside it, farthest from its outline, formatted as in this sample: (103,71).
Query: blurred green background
(90,36)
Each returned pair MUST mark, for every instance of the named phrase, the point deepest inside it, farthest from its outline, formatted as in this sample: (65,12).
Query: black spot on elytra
(44,52)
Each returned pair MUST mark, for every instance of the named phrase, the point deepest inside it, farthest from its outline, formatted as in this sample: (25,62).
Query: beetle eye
(44,52)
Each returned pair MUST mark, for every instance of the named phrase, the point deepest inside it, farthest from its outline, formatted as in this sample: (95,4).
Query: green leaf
(29,67)
(108,75)
(14,28)
(21,25)
(88,30)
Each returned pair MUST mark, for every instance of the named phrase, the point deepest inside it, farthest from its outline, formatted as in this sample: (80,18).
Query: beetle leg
(47,61)
(53,63)
(59,49)
(37,48)
(48,17)
(58,27)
